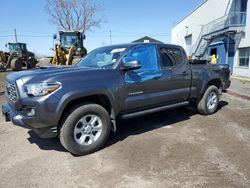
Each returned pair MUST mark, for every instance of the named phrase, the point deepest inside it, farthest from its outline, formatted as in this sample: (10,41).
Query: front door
(140,87)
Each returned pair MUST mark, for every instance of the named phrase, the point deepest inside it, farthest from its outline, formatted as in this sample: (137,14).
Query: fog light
(31,112)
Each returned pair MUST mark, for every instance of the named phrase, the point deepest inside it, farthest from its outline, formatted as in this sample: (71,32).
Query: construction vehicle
(17,57)
(70,50)
(4,56)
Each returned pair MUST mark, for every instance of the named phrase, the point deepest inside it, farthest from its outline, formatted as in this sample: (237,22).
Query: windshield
(67,41)
(102,58)
(16,47)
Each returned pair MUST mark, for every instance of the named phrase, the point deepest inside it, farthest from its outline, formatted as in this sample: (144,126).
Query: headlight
(40,89)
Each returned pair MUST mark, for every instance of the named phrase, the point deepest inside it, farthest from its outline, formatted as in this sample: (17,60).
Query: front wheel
(16,64)
(209,102)
(85,129)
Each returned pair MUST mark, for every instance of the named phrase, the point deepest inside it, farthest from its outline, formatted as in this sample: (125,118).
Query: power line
(6,31)
(138,35)
(110,37)
(15,35)
(38,36)
(108,34)
(6,35)
(46,36)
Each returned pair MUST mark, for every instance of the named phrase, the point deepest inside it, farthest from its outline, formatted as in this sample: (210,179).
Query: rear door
(176,74)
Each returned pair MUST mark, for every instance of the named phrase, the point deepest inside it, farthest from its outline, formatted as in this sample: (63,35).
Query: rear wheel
(209,102)
(16,64)
(85,129)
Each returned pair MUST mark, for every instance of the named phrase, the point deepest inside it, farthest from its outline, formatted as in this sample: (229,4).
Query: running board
(153,110)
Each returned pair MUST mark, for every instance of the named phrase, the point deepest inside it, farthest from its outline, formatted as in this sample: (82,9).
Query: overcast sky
(128,20)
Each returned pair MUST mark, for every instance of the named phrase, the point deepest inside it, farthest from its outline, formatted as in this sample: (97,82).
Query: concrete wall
(209,11)
(205,13)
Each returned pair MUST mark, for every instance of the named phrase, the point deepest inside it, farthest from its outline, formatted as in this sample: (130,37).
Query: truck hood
(49,73)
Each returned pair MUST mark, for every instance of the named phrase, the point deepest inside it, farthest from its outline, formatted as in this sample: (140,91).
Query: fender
(205,83)
(81,93)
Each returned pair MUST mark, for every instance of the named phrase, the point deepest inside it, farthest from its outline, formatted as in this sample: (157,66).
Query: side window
(171,57)
(147,56)
(166,59)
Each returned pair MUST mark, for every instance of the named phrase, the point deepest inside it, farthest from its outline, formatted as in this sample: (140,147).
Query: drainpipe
(229,5)
(228,35)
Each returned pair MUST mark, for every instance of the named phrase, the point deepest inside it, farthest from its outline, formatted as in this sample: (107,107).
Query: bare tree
(74,14)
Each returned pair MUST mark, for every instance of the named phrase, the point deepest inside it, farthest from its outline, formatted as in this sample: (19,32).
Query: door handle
(157,77)
(185,73)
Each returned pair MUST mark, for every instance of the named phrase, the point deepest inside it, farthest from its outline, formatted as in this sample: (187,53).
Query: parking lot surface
(175,148)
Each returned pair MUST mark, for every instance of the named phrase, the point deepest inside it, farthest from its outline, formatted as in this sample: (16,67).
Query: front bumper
(27,122)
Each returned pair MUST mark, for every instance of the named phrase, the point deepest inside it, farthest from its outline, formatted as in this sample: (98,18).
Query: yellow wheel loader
(70,50)
(17,57)
(4,56)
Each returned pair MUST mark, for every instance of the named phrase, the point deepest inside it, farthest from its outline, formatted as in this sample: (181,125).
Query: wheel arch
(216,82)
(102,99)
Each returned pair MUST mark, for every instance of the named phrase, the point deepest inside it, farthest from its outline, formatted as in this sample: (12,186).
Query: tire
(31,63)
(16,64)
(2,67)
(209,102)
(86,129)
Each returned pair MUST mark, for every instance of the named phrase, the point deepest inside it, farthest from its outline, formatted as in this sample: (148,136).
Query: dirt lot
(176,148)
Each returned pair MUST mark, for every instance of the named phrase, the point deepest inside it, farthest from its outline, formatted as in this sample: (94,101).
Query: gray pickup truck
(80,104)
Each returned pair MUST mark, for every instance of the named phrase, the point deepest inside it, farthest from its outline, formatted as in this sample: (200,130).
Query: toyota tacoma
(80,104)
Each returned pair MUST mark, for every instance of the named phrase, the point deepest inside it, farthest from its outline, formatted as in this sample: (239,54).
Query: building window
(244,56)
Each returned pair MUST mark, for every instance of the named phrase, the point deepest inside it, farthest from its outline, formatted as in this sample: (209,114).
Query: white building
(219,27)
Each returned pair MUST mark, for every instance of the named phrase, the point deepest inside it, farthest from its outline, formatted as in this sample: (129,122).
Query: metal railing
(231,20)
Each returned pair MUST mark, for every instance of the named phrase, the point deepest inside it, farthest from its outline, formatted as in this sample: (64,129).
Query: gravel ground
(176,148)
(240,86)
(2,84)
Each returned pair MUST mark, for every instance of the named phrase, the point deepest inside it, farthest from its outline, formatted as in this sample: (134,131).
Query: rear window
(171,57)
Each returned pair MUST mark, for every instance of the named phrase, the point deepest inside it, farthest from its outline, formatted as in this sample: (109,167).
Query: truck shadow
(140,125)
(126,128)
(45,144)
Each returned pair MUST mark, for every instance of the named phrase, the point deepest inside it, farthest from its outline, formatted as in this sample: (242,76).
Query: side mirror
(131,65)
(6,45)
(54,36)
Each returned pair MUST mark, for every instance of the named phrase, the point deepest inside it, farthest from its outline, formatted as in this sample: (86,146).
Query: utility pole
(15,35)
(110,37)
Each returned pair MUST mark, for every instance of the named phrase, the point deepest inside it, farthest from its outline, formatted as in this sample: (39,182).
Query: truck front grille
(11,91)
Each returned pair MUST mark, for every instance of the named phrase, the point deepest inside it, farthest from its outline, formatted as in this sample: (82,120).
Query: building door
(218,49)
(230,49)
(224,51)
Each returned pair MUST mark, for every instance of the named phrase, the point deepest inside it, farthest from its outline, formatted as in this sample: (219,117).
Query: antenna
(110,37)
(15,35)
